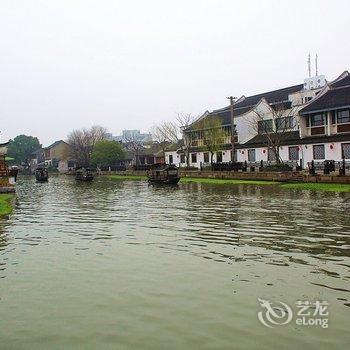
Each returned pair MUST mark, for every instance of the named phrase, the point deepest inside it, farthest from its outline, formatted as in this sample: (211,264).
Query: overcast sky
(131,64)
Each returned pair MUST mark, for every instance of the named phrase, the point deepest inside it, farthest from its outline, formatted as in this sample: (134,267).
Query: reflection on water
(116,239)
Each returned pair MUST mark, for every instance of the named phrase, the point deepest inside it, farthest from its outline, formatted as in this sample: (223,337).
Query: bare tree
(276,125)
(161,137)
(177,132)
(134,145)
(82,142)
(213,134)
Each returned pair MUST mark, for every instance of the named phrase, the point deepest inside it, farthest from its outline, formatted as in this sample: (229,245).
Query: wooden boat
(163,174)
(84,174)
(41,175)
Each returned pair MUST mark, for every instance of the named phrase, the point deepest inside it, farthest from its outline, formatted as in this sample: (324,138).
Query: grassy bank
(225,181)
(5,204)
(328,187)
(197,180)
(127,177)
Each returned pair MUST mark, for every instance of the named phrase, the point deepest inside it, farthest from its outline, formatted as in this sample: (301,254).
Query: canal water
(124,265)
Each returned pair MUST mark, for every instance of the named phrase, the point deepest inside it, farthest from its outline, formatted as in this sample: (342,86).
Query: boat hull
(41,176)
(84,178)
(45,179)
(169,181)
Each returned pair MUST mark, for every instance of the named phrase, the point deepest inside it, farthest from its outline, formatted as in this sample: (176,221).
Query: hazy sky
(131,64)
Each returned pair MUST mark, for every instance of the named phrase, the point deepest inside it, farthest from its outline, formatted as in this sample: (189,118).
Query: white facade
(301,150)
(332,150)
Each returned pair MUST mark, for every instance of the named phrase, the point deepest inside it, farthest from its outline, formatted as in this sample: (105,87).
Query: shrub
(278,167)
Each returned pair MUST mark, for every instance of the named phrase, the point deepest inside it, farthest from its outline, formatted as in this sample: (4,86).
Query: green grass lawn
(127,177)
(328,187)
(5,204)
(226,181)
(197,180)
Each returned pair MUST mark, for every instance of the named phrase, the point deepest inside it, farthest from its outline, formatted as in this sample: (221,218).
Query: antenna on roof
(309,65)
(316,58)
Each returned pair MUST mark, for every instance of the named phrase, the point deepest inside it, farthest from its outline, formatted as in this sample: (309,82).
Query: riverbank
(197,180)
(318,187)
(326,187)
(5,204)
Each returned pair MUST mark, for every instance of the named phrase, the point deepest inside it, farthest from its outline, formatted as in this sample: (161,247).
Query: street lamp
(232,102)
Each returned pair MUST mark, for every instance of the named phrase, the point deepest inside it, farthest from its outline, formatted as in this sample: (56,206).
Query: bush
(278,167)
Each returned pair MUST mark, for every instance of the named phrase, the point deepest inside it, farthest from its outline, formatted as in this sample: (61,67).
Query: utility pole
(232,101)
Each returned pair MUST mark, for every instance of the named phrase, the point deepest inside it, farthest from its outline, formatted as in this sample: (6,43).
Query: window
(293,153)
(219,157)
(333,117)
(343,116)
(345,150)
(251,155)
(206,157)
(318,152)
(170,159)
(194,157)
(271,157)
(182,159)
(264,126)
(235,156)
(318,120)
(284,123)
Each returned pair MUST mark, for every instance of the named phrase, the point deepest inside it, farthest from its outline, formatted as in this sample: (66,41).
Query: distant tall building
(133,135)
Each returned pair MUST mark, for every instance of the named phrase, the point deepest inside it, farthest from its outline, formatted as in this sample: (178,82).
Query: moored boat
(41,175)
(84,174)
(163,174)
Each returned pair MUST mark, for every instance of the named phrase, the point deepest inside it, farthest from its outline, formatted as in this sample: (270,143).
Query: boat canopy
(3,148)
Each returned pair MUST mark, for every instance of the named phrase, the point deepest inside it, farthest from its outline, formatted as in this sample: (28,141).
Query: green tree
(212,133)
(107,153)
(22,147)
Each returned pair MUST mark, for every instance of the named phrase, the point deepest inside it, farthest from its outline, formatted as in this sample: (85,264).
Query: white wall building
(311,120)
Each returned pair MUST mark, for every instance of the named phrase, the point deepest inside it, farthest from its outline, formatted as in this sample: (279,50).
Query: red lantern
(331,146)
(264,150)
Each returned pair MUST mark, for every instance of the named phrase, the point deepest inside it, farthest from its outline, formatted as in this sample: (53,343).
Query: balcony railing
(343,128)
(316,130)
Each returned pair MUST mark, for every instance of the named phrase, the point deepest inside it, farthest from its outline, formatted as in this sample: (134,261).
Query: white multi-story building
(305,122)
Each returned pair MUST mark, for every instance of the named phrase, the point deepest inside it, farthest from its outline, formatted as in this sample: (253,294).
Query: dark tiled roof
(323,139)
(293,138)
(154,149)
(272,97)
(225,115)
(262,140)
(338,96)
(335,98)
(342,82)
